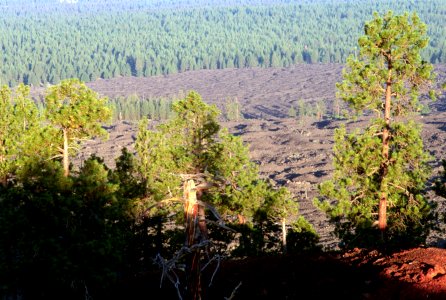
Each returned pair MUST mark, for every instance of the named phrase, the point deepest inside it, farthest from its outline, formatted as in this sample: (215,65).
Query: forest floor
(296,153)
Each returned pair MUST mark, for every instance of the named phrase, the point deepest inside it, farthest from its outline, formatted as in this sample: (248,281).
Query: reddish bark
(196,232)
(66,163)
(382,210)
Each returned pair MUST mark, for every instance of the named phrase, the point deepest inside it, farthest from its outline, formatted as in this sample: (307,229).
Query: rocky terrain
(294,152)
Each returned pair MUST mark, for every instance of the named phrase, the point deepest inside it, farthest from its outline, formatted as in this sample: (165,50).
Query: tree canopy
(192,144)
(77,112)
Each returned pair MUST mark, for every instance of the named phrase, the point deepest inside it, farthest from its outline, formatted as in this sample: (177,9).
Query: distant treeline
(135,108)
(46,41)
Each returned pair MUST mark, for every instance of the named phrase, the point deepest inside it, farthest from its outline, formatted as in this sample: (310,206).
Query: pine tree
(382,170)
(192,146)
(232,110)
(292,113)
(192,143)
(22,136)
(72,233)
(320,110)
(7,143)
(302,111)
(76,112)
(282,207)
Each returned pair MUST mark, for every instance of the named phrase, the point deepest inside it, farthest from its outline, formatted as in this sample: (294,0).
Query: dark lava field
(293,152)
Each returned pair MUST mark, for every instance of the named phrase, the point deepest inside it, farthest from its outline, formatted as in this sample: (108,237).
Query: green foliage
(22,136)
(232,110)
(186,35)
(62,237)
(243,192)
(77,112)
(292,113)
(133,108)
(389,52)
(192,144)
(252,240)
(280,205)
(156,161)
(385,166)
(6,138)
(126,174)
(302,237)
(336,108)
(310,109)
(320,109)
(74,236)
(302,109)
(75,108)
(355,187)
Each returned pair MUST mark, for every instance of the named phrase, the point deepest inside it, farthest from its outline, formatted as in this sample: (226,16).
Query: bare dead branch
(55,156)
(234,291)
(221,225)
(400,188)
(160,203)
(217,258)
(169,266)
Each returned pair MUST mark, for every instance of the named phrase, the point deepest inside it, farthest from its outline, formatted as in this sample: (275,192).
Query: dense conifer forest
(47,41)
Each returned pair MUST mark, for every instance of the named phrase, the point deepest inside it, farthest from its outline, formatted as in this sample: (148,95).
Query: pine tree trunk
(284,248)
(191,211)
(66,162)
(4,179)
(241,219)
(382,210)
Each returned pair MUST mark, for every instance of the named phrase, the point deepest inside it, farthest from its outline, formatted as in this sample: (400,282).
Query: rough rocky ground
(296,154)
(292,152)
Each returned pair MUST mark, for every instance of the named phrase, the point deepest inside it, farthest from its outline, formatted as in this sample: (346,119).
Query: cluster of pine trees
(49,41)
(72,232)
(317,110)
(134,108)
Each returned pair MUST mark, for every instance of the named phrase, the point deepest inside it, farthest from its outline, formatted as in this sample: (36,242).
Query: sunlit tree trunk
(192,217)
(284,248)
(4,178)
(66,162)
(382,210)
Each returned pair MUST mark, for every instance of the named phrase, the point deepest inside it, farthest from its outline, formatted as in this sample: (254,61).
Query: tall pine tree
(22,136)
(77,112)
(192,146)
(381,171)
